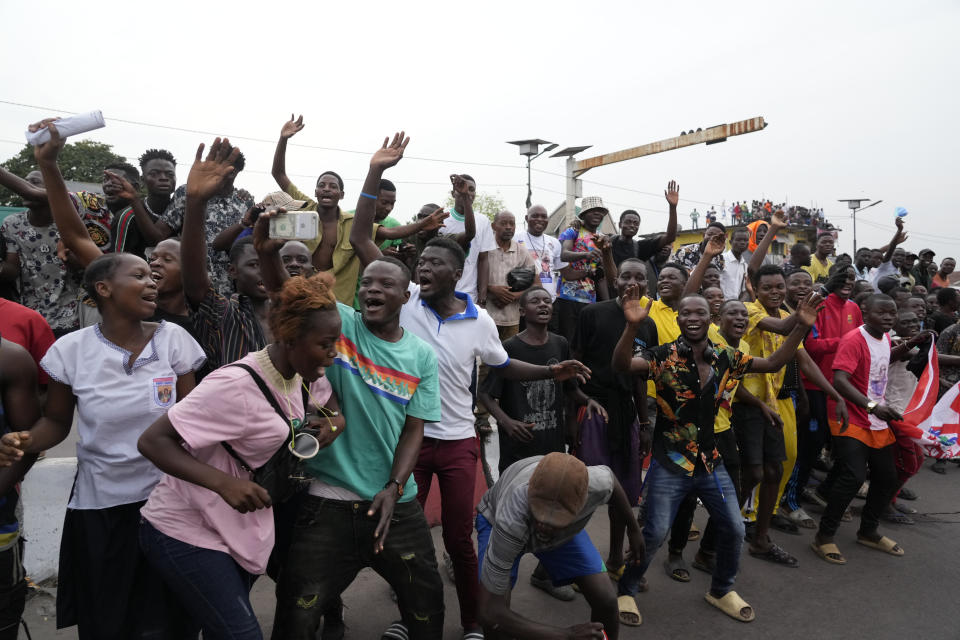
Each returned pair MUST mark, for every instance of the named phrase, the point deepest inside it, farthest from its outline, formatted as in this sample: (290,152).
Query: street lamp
(574,186)
(531,149)
(854,206)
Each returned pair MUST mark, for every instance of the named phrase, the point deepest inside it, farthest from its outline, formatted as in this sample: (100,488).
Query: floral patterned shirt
(585,289)
(222,212)
(689,255)
(46,286)
(688,409)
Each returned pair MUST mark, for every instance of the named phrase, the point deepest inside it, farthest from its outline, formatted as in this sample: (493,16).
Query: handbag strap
(266,394)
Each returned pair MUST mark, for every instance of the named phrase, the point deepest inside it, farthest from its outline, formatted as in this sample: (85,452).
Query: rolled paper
(69,126)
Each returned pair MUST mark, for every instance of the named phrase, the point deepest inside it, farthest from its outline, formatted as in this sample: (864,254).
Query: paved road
(874,596)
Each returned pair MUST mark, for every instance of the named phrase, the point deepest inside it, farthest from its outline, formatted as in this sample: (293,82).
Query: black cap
(923,251)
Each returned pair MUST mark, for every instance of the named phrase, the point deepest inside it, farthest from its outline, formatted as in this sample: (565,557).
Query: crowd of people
(199,353)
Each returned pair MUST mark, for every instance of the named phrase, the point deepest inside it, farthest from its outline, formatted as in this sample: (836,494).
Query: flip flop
(694,533)
(616,574)
(704,563)
(676,568)
(628,612)
(884,544)
(777,555)
(902,508)
(732,605)
(829,552)
(799,517)
(895,517)
(785,525)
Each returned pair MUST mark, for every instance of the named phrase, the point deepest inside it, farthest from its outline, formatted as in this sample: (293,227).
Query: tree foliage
(485,203)
(81,161)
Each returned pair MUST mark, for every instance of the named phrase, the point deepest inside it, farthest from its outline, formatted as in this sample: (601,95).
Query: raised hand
(778,220)
(49,150)
(602,242)
(262,242)
(460,186)
(672,194)
(208,177)
(633,311)
(716,246)
(391,152)
(434,221)
(128,192)
(291,127)
(808,308)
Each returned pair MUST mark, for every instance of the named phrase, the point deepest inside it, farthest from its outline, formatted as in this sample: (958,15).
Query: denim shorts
(573,559)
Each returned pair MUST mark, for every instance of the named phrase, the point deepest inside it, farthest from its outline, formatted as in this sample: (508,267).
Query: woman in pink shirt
(207,528)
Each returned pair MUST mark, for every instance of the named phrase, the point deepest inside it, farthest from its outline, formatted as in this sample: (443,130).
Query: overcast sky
(860,97)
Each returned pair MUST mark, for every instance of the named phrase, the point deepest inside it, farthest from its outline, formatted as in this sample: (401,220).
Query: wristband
(367,195)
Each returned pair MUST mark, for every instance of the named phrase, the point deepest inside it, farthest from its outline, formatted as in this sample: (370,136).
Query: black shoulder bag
(281,475)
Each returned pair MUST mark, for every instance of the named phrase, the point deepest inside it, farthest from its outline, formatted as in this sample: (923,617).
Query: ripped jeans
(333,541)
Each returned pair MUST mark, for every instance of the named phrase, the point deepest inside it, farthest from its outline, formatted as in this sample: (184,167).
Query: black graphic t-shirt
(540,402)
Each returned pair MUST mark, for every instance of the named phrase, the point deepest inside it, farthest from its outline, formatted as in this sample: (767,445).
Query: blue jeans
(665,493)
(211,586)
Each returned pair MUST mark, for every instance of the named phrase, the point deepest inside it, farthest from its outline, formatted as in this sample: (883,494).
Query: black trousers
(852,458)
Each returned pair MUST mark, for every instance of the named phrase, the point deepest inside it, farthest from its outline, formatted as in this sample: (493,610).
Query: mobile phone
(295,225)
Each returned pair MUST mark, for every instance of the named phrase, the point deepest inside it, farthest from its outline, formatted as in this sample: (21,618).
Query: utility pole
(854,206)
(710,135)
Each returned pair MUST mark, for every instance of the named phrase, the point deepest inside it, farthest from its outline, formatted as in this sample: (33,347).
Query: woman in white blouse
(120,375)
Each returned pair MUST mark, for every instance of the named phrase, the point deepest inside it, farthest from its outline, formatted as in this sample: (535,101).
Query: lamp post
(854,206)
(531,149)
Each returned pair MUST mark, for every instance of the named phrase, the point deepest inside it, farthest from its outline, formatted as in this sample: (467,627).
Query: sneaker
(564,593)
(940,466)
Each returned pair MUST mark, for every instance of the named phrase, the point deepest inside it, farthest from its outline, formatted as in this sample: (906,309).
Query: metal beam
(711,135)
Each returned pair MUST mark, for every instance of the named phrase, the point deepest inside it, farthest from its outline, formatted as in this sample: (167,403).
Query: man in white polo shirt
(459,332)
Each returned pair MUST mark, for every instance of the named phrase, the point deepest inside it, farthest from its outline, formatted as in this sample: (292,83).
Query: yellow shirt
(818,270)
(346,263)
(722,423)
(763,344)
(667,331)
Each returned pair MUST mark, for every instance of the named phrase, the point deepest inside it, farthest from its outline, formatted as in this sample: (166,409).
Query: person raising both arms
(164,261)
(331,248)
(693,377)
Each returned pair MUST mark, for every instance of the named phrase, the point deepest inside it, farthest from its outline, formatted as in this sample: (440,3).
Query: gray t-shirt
(505,506)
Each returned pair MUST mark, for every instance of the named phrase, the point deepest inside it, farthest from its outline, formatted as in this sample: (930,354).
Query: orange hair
(293,303)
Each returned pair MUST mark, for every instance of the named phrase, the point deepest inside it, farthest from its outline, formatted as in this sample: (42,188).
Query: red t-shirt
(28,329)
(837,318)
(867,360)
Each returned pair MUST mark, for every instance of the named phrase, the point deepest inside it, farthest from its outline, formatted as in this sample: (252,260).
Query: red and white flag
(931,423)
